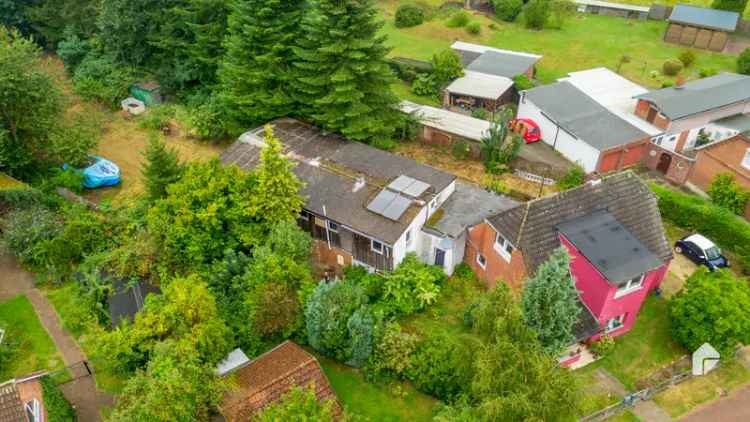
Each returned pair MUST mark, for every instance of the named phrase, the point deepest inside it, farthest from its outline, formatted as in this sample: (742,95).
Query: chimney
(359,183)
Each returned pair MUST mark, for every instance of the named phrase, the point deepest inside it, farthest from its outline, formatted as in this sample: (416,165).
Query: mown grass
(585,41)
(377,402)
(35,349)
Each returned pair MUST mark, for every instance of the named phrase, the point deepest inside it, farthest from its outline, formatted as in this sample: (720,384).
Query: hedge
(58,409)
(408,69)
(694,213)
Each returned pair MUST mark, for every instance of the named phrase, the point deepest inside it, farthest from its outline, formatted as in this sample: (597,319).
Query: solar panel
(402,182)
(416,189)
(381,202)
(396,209)
(409,186)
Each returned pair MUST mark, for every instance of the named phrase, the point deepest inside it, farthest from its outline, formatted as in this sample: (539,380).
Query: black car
(701,251)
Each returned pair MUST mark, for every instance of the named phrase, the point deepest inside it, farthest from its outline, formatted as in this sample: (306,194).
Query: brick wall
(724,157)
(622,157)
(679,165)
(481,239)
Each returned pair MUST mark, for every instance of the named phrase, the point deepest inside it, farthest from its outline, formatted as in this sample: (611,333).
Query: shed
(479,90)
(605,8)
(701,27)
(443,127)
(149,92)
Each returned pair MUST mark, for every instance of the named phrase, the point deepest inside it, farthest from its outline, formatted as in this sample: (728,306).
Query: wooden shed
(699,27)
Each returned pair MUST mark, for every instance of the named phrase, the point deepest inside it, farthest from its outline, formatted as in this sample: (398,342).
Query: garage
(699,27)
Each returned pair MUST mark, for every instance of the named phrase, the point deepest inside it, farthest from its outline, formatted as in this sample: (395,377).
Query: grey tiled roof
(581,116)
(532,227)
(11,408)
(331,182)
(722,20)
(502,64)
(700,95)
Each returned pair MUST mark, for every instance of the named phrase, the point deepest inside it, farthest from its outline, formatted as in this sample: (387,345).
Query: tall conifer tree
(255,72)
(342,81)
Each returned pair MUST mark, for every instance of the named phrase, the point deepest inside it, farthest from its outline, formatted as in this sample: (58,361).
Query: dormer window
(631,285)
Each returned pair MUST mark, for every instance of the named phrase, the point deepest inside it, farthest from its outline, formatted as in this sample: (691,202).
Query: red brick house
(613,231)
(22,400)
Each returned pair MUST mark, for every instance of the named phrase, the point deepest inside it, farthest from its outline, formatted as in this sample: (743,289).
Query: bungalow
(488,76)
(264,380)
(613,232)
(701,27)
(22,400)
(363,206)
(586,127)
(707,107)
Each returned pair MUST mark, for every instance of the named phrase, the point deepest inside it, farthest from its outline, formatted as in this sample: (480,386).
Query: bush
(687,57)
(535,14)
(68,178)
(743,62)
(574,177)
(474,28)
(392,355)
(158,117)
(410,287)
(480,113)
(56,406)
(461,149)
(425,85)
(26,234)
(493,184)
(507,10)
(671,67)
(442,366)
(603,346)
(559,12)
(71,142)
(727,193)
(72,50)
(697,214)
(408,15)
(207,119)
(458,19)
(446,65)
(100,78)
(705,72)
(522,82)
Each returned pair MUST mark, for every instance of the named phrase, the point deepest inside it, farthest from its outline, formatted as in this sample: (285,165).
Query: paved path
(734,408)
(82,392)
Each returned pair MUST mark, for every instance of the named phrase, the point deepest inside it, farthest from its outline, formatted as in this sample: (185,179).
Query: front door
(439,257)
(664,161)
(651,115)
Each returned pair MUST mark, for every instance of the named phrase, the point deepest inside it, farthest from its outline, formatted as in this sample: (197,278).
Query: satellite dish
(705,359)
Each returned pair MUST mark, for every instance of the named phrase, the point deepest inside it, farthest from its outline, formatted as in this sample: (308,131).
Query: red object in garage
(527,128)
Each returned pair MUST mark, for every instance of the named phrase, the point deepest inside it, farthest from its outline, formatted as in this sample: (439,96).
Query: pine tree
(255,74)
(550,302)
(161,168)
(342,81)
(276,192)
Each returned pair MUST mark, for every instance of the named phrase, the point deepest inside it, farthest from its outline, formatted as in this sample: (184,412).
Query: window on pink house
(615,323)
(632,285)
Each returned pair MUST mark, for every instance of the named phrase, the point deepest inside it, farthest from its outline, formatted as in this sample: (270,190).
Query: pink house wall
(599,295)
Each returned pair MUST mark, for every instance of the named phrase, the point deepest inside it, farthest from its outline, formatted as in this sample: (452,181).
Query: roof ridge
(523,224)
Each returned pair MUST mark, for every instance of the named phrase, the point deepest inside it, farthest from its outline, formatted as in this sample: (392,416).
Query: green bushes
(426,85)
(727,193)
(705,72)
(408,15)
(474,28)
(461,149)
(446,66)
(507,10)
(100,78)
(57,408)
(522,82)
(687,57)
(392,355)
(458,19)
(442,366)
(27,234)
(411,287)
(743,62)
(694,213)
(574,177)
(536,13)
(671,67)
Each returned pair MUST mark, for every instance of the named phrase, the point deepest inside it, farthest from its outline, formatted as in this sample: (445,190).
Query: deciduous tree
(299,405)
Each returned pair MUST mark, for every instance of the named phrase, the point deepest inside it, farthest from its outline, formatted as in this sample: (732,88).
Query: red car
(527,128)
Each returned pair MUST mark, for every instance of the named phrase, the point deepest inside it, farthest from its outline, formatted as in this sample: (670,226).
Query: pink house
(613,231)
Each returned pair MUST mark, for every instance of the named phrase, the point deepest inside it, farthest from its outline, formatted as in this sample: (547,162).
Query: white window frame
(35,409)
(501,247)
(479,262)
(631,286)
(746,159)
(610,326)
(372,246)
(332,226)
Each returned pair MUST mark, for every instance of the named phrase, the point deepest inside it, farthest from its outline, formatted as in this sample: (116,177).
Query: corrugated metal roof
(465,46)
(583,117)
(456,123)
(480,85)
(610,5)
(700,95)
(721,20)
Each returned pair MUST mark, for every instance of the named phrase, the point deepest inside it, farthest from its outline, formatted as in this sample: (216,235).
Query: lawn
(7,182)
(34,349)
(394,402)
(585,41)
(403,91)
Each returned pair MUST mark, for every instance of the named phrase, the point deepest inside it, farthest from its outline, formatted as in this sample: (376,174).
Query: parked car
(701,251)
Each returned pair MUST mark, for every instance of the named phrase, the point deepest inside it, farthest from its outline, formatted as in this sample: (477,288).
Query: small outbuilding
(701,27)
(443,127)
(605,8)
(149,92)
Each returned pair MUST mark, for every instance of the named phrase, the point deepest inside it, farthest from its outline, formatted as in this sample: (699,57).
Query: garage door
(673,33)
(633,155)
(688,35)
(609,161)
(704,38)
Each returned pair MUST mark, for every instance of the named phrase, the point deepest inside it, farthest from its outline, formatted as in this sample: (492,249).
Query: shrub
(100,78)
(442,366)
(408,15)
(507,10)
(58,409)
(461,149)
(731,5)
(425,84)
(743,62)
(480,113)
(363,326)
(671,67)
(603,346)
(522,82)
(494,184)
(71,142)
(72,50)
(26,234)
(667,84)
(694,213)
(446,65)
(158,117)
(559,12)
(687,57)
(67,178)
(207,119)
(711,308)
(727,193)
(411,287)
(458,19)
(392,355)
(535,14)
(705,72)
(574,177)
(474,28)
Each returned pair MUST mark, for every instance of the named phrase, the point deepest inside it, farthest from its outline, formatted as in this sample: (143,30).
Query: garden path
(81,392)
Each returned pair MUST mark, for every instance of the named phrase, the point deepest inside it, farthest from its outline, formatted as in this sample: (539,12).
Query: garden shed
(604,8)
(149,92)
(701,27)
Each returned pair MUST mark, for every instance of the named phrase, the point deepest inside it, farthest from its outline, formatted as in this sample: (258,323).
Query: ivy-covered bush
(27,234)
(694,213)
(408,15)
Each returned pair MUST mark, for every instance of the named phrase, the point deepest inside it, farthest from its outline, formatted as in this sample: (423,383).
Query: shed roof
(700,95)
(502,64)
(738,122)
(532,227)
(467,206)
(609,246)
(480,85)
(128,298)
(461,46)
(266,379)
(583,117)
(329,165)
(456,123)
(617,6)
(721,20)
(11,408)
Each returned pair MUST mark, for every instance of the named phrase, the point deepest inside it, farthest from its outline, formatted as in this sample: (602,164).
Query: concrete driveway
(540,158)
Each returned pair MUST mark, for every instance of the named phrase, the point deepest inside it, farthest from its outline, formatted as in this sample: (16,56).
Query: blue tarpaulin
(101,173)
